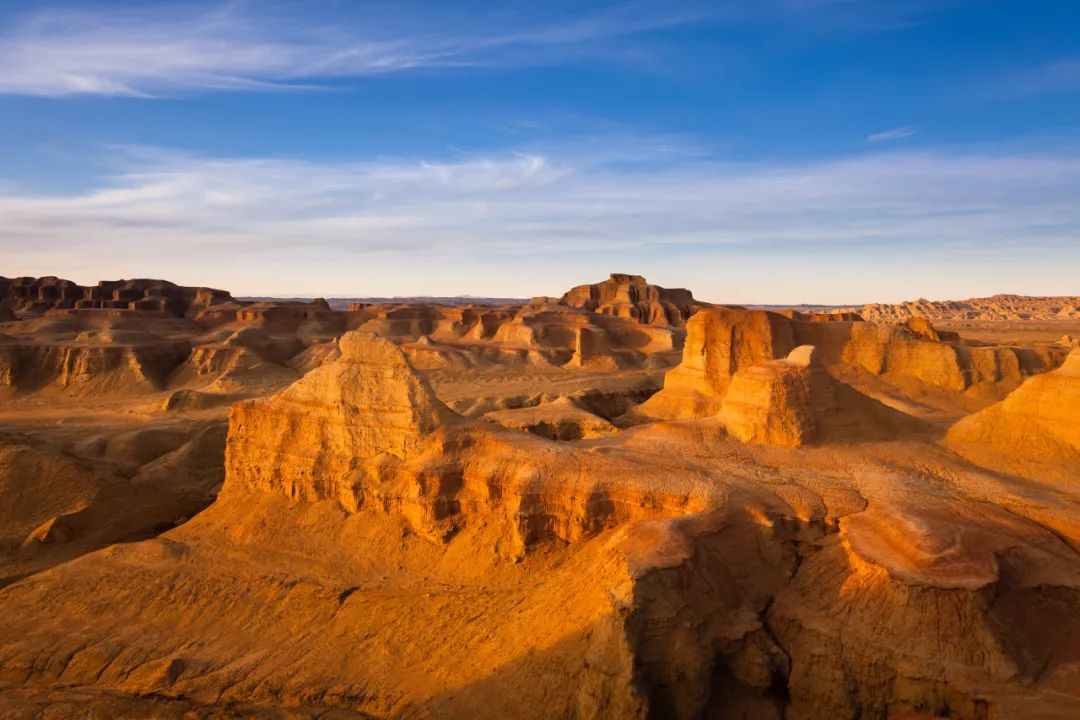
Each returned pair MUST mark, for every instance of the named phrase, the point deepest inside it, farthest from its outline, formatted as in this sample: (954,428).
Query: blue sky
(827,151)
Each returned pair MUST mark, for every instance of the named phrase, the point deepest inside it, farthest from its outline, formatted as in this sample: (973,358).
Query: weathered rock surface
(560,419)
(537,333)
(631,296)
(913,358)
(795,401)
(367,403)
(90,368)
(996,307)
(1040,420)
(36,295)
(719,342)
(373,554)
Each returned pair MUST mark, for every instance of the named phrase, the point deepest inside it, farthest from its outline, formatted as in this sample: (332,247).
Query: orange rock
(36,295)
(631,296)
(770,404)
(560,419)
(795,401)
(85,369)
(306,438)
(719,341)
(1039,420)
(996,307)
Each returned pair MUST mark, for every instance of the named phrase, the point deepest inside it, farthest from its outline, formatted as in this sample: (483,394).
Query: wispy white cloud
(273,223)
(897,133)
(154,50)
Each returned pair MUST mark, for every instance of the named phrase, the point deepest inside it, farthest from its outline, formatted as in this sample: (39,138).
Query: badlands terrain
(620,502)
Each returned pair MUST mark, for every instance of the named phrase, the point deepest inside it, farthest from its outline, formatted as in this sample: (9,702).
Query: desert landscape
(510,360)
(618,502)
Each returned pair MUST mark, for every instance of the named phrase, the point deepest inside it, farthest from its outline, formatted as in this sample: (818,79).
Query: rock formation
(795,401)
(355,548)
(539,333)
(89,368)
(914,359)
(719,342)
(296,317)
(633,297)
(36,295)
(560,419)
(367,403)
(1040,420)
(996,307)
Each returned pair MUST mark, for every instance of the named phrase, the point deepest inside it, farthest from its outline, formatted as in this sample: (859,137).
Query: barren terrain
(617,502)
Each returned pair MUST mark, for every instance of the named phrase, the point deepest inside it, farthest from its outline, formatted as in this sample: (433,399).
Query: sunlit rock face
(367,403)
(1040,420)
(719,342)
(911,358)
(631,296)
(781,526)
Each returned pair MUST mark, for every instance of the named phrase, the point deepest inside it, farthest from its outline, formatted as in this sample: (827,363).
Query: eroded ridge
(785,529)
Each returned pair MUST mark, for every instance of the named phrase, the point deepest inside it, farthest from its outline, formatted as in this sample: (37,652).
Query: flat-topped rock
(632,296)
(719,341)
(36,295)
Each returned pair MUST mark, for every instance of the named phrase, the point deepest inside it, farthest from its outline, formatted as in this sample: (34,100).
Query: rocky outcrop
(36,295)
(631,296)
(923,328)
(244,359)
(909,353)
(584,339)
(538,333)
(560,419)
(308,318)
(719,342)
(771,403)
(795,401)
(90,368)
(1039,420)
(900,580)
(367,430)
(996,307)
(311,436)
(913,358)
(893,350)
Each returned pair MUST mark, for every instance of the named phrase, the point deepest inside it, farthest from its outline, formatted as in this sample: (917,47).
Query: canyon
(621,501)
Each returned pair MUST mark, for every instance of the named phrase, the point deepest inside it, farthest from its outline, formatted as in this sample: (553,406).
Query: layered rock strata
(1039,420)
(36,295)
(722,341)
(631,296)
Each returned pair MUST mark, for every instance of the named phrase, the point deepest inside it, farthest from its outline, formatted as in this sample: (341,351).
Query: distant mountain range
(342,303)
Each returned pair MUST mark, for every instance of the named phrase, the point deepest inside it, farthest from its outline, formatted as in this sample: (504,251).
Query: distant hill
(804,307)
(342,303)
(995,307)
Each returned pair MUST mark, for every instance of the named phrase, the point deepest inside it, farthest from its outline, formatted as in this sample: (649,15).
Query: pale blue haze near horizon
(755,151)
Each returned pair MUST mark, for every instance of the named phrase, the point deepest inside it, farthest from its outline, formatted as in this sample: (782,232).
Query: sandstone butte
(620,503)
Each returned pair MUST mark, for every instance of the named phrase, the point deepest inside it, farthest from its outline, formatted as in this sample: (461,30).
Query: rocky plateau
(620,502)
